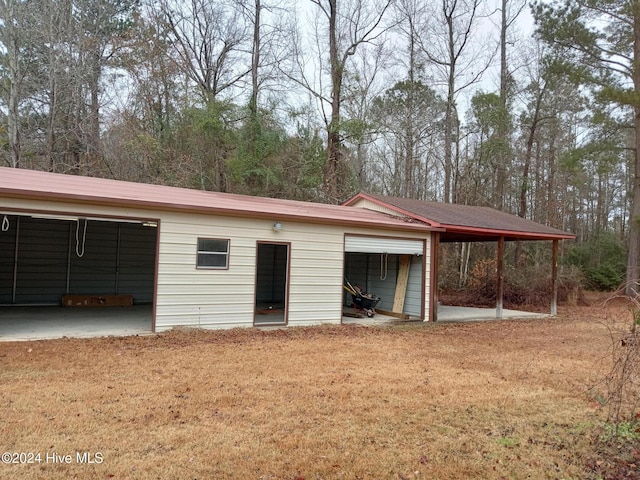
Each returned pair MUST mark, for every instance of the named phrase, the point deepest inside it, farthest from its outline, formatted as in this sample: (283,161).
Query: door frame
(286,286)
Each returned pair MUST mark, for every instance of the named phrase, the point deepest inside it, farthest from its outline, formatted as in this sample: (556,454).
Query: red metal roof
(466,222)
(32,184)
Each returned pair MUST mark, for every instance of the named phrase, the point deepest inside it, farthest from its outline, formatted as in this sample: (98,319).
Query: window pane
(212,260)
(213,245)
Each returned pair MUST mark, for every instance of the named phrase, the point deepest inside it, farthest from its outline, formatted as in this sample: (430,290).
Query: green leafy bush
(602,259)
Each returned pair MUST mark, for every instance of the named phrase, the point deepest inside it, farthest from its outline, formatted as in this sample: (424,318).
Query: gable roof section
(38,185)
(465,222)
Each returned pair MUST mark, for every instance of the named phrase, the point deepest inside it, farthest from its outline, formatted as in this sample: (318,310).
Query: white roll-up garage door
(401,246)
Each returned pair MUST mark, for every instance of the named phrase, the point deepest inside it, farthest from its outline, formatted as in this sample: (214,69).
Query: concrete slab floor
(36,323)
(448,313)
(377,319)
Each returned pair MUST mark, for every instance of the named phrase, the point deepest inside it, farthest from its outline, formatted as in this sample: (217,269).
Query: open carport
(468,223)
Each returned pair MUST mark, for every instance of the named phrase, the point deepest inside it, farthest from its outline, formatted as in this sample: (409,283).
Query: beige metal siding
(428,260)
(316,274)
(369,205)
(187,296)
(223,298)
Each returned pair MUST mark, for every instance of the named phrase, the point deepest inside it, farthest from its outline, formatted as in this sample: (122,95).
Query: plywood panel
(401,283)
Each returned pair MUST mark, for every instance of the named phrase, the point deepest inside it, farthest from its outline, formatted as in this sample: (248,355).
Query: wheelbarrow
(364,302)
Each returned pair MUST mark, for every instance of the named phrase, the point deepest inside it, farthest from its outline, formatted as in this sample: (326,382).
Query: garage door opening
(68,276)
(390,268)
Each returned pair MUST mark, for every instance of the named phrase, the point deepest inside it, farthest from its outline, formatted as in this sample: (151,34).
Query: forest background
(529,109)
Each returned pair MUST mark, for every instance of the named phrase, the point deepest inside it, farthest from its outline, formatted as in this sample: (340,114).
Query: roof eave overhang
(229,212)
(457,233)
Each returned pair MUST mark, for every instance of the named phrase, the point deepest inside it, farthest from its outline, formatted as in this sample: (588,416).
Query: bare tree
(408,118)
(269,44)
(140,131)
(452,46)
(57,54)
(267,19)
(209,40)
(255,57)
(410,12)
(509,13)
(13,17)
(361,85)
(98,24)
(347,25)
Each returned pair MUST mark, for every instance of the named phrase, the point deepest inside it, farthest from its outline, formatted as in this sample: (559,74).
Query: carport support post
(433,280)
(554,279)
(500,278)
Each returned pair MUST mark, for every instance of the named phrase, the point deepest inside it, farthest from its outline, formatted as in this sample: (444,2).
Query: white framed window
(213,253)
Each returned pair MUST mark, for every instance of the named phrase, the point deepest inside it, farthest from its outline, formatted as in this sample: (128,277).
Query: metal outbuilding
(216,260)
(197,258)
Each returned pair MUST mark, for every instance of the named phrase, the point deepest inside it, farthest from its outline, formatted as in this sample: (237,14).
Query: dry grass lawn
(493,400)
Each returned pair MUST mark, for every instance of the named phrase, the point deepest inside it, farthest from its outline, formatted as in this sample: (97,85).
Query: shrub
(620,388)
(529,285)
(602,259)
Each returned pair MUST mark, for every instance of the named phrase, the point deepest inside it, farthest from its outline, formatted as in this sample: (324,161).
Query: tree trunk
(448,151)
(13,114)
(455,181)
(255,62)
(633,260)
(12,46)
(450,108)
(551,179)
(93,141)
(535,121)
(51,124)
(409,186)
(524,187)
(334,147)
(503,130)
